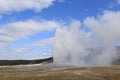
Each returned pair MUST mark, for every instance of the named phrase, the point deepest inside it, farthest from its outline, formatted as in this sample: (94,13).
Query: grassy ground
(55,73)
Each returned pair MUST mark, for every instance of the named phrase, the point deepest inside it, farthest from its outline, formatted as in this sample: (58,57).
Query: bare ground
(59,72)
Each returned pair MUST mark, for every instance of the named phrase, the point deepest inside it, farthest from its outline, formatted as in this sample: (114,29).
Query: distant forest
(24,62)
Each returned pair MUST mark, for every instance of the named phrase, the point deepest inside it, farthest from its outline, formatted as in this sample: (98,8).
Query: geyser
(97,47)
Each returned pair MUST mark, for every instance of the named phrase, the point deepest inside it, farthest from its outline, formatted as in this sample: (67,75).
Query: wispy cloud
(26,51)
(118,1)
(61,1)
(113,4)
(22,29)
(0,17)
(44,42)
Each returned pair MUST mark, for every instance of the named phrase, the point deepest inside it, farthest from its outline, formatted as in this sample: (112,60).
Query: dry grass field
(53,72)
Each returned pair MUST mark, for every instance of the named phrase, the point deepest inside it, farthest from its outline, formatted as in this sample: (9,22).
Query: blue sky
(27,30)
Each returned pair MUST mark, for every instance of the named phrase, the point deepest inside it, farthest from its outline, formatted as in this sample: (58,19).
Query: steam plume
(74,46)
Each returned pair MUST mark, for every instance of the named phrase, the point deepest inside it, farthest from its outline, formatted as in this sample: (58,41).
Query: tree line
(24,62)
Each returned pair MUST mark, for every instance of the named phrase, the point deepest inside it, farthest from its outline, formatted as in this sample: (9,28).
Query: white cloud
(21,5)
(19,30)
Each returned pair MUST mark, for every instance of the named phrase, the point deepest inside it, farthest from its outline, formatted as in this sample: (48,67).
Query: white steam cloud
(74,46)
